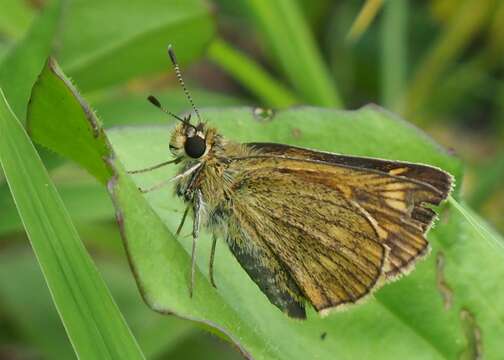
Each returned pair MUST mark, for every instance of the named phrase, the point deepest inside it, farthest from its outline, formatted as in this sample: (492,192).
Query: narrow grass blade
(394,40)
(366,15)
(92,320)
(250,75)
(478,225)
(20,67)
(285,31)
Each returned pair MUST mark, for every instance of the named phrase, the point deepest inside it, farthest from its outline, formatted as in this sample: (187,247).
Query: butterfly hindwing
(263,266)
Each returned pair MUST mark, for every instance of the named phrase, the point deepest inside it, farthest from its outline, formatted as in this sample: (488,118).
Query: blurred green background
(438,63)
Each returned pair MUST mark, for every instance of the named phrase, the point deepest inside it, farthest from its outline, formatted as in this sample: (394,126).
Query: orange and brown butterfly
(307,226)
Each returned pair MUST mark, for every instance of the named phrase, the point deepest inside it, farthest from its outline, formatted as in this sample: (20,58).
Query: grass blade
(288,36)
(21,65)
(478,225)
(364,19)
(92,320)
(250,75)
(394,40)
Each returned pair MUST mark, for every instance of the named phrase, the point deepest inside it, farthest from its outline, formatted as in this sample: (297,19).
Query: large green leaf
(92,320)
(127,109)
(100,35)
(437,310)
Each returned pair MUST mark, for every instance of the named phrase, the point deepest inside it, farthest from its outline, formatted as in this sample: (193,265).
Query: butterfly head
(189,140)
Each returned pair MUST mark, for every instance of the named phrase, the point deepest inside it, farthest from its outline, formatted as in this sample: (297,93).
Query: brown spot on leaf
(472,331)
(296,133)
(445,290)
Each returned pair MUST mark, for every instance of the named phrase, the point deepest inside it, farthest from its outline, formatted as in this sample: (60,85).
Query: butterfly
(307,226)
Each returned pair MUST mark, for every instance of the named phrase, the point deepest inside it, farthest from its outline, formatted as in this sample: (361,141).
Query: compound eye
(195,146)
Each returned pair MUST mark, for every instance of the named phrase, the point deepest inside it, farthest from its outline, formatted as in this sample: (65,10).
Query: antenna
(173,59)
(154,101)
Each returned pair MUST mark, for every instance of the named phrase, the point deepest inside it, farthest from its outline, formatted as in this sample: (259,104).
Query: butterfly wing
(335,229)
(263,266)
(325,243)
(405,217)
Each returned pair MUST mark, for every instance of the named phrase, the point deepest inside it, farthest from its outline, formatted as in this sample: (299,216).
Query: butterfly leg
(174,161)
(177,177)
(212,257)
(177,233)
(198,202)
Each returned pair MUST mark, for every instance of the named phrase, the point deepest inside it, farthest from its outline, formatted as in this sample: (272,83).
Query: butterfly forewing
(394,193)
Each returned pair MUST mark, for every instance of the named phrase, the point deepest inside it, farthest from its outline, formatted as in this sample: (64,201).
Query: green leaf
(15,18)
(92,320)
(100,35)
(37,321)
(20,67)
(287,35)
(127,109)
(74,195)
(77,140)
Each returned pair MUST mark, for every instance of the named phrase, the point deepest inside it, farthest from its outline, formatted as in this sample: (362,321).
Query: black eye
(195,146)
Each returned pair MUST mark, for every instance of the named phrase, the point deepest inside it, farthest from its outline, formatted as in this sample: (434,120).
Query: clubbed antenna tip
(171,53)
(154,101)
